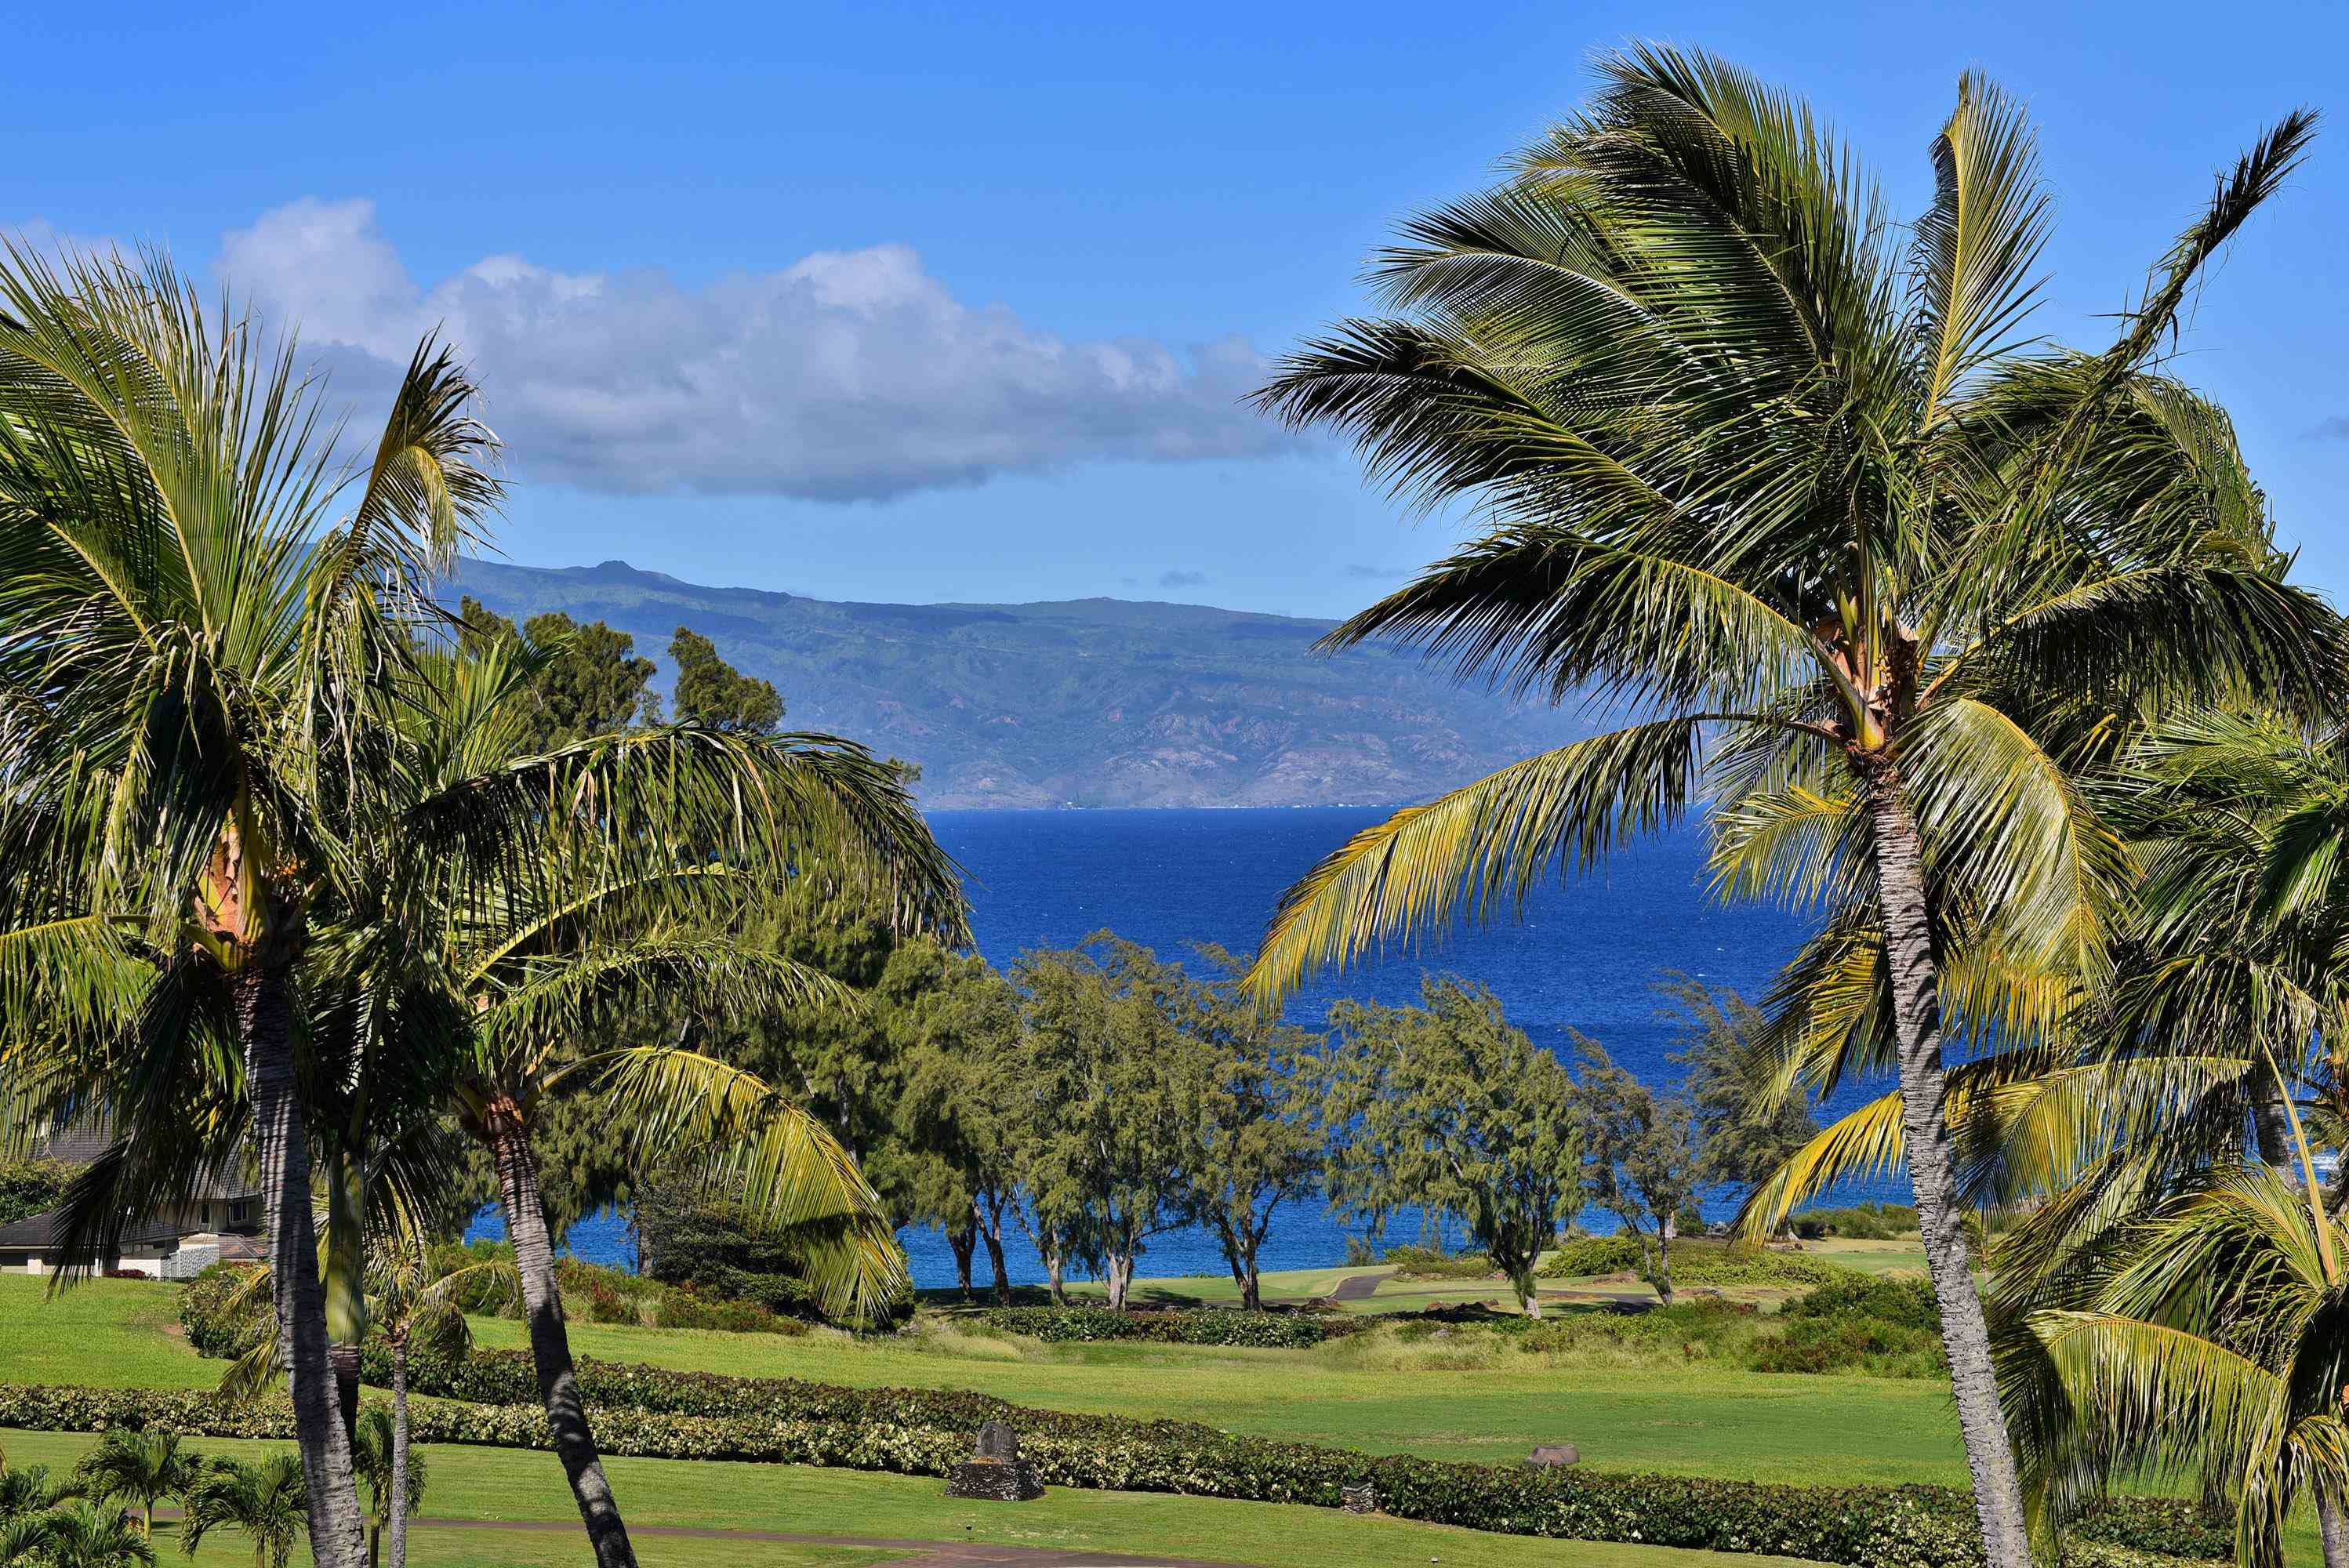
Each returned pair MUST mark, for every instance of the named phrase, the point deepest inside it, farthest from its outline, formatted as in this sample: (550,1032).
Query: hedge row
(1866,1527)
(1277,1330)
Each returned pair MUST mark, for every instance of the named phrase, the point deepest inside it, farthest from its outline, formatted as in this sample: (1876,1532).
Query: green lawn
(1480,1400)
(497,1483)
(1490,1404)
(107,1333)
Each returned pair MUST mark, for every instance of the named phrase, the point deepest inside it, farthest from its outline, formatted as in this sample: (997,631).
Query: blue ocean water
(1584,956)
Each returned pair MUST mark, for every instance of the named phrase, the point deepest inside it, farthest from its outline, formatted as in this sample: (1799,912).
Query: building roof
(83,1143)
(40,1232)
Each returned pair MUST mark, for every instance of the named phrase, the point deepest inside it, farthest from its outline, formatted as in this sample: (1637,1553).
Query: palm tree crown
(1860,559)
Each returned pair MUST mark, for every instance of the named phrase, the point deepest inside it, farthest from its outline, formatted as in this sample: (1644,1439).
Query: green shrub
(210,1326)
(1708,1262)
(1434,1262)
(1885,1326)
(928,1432)
(685,1308)
(1277,1330)
(28,1187)
(1862,1223)
(1906,1301)
(1588,1255)
(1696,1259)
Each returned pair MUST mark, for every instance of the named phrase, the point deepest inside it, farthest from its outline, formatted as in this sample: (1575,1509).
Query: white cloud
(848,376)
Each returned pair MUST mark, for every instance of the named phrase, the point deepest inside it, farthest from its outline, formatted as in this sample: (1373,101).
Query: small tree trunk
(1118,1274)
(550,1341)
(1055,1267)
(265,1022)
(400,1503)
(1664,1260)
(962,1242)
(1924,1116)
(991,1228)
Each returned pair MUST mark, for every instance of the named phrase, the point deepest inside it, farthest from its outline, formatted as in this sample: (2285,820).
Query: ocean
(1585,956)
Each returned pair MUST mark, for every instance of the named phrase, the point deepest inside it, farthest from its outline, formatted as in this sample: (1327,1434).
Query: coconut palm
(1866,564)
(190,624)
(394,1473)
(261,1501)
(86,1535)
(2217,1348)
(144,1467)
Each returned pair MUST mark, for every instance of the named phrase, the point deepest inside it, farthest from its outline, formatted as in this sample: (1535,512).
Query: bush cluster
(1434,1262)
(211,1326)
(1696,1259)
(1281,1330)
(1860,1222)
(923,1432)
(1588,1255)
(28,1187)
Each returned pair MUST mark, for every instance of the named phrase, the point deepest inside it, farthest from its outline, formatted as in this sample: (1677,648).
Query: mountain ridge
(1094,702)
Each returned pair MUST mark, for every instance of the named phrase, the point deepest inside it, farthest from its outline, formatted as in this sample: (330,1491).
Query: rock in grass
(1553,1455)
(995,1473)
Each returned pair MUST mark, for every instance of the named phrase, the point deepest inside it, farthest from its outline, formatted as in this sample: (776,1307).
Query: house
(219,1220)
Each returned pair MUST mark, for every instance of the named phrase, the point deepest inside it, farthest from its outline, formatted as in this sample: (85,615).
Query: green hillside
(1090,702)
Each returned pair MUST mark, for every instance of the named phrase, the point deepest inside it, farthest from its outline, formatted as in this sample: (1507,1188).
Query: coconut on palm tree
(1860,559)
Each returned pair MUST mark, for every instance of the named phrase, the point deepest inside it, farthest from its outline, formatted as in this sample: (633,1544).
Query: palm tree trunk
(550,1342)
(399,1453)
(346,1281)
(264,1023)
(2333,1530)
(1924,1118)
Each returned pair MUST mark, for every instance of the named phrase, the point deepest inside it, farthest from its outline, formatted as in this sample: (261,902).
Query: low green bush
(1860,1222)
(923,1432)
(1696,1259)
(1589,1256)
(1275,1330)
(28,1187)
(211,1326)
(1433,1263)
(686,1308)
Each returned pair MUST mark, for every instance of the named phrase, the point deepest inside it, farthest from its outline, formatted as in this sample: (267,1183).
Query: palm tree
(144,1465)
(2217,1346)
(1865,563)
(261,1502)
(189,641)
(24,1540)
(394,1473)
(87,1536)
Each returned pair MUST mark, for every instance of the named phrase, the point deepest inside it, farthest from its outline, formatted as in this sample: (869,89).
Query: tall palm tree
(190,627)
(145,1467)
(1862,560)
(261,1501)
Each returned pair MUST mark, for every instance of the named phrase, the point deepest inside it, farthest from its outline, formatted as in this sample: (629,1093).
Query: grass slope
(494,1483)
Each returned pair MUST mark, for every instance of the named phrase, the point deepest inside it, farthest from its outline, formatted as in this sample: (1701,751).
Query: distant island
(1083,703)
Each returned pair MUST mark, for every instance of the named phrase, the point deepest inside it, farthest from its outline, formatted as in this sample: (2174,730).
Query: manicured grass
(494,1483)
(1477,1398)
(105,1333)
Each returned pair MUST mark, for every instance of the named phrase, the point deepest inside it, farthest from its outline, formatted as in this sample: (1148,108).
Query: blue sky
(895,302)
